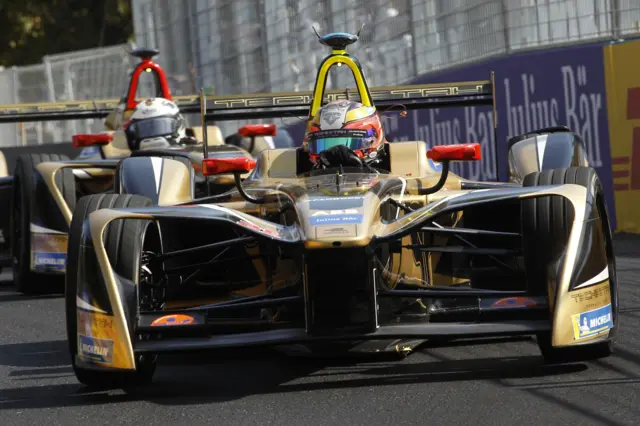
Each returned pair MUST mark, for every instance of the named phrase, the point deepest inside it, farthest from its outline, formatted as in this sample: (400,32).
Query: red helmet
(348,123)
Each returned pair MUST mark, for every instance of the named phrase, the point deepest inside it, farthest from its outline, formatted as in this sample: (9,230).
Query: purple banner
(533,90)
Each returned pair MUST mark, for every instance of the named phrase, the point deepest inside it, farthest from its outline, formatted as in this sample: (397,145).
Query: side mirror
(88,139)
(460,152)
(253,130)
(446,154)
(236,165)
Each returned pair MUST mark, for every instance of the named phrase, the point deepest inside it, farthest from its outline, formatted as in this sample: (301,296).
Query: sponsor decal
(592,323)
(513,302)
(96,350)
(90,151)
(334,203)
(174,319)
(335,212)
(91,324)
(591,294)
(253,226)
(336,231)
(338,219)
(48,243)
(334,115)
(50,261)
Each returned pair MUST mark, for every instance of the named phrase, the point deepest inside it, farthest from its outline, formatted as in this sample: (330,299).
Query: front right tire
(124,244)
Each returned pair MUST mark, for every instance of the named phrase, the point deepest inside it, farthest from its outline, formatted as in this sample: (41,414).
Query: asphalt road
(489,382)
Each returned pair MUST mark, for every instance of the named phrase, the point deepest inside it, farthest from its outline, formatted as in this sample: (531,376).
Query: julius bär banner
(533,90)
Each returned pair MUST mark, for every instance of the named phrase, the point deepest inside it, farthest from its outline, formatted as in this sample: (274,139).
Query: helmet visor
(153,128)
(352,139)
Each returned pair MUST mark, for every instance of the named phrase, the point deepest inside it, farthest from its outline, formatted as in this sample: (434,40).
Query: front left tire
(29,197)
(546,226)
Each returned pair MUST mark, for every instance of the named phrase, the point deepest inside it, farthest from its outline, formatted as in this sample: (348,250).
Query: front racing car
(383,256)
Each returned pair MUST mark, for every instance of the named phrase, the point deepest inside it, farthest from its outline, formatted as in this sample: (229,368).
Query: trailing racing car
(346,242)
(44,188)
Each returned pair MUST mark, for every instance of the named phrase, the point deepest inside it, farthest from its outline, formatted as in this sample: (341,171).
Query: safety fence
(82,75)
(239,46)
(249,46)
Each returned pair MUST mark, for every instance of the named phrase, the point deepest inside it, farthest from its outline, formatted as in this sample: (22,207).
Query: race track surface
(490,382)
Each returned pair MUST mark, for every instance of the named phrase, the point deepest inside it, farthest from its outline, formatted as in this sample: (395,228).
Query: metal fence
(81,75)
(240,46)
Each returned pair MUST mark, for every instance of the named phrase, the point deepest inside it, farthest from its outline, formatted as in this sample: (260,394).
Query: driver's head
(345,124)
(155,123)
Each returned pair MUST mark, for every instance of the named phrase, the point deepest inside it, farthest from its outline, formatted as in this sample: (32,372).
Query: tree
(32,29)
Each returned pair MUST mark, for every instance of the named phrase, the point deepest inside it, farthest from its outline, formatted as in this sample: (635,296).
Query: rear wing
(298,104)
(78,110)
(419,96)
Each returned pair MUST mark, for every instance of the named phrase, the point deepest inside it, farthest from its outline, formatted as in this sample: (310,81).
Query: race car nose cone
(338,41)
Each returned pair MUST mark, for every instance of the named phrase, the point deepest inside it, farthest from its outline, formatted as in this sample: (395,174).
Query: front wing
(106,318)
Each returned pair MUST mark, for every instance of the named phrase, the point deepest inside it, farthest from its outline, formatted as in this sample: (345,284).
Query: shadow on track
(8,295)
(39,354)
(201,378)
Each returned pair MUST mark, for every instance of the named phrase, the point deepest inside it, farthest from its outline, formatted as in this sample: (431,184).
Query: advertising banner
(533,90)
(623,100)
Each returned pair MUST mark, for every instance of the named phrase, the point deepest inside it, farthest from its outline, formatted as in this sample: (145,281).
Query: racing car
(348,243)
(44,188)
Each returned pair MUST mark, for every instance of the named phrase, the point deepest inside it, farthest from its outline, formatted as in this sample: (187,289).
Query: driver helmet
(155,123)
(348,123)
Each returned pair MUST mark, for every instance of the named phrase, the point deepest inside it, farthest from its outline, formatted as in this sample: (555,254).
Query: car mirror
(253,130)
(89,139)
(459,152)
(236,165)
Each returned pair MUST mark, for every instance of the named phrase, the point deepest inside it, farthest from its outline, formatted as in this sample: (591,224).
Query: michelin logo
(50,260)
(96,350)
(592,323)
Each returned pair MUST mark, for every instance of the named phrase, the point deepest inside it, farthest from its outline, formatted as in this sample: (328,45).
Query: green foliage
(34,28)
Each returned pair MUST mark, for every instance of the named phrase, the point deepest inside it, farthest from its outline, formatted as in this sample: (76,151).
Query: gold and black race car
(41,195)
(376,258)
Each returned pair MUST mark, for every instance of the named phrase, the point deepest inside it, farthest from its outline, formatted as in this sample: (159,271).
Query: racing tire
(27,198)
(124,254)
(546,226)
